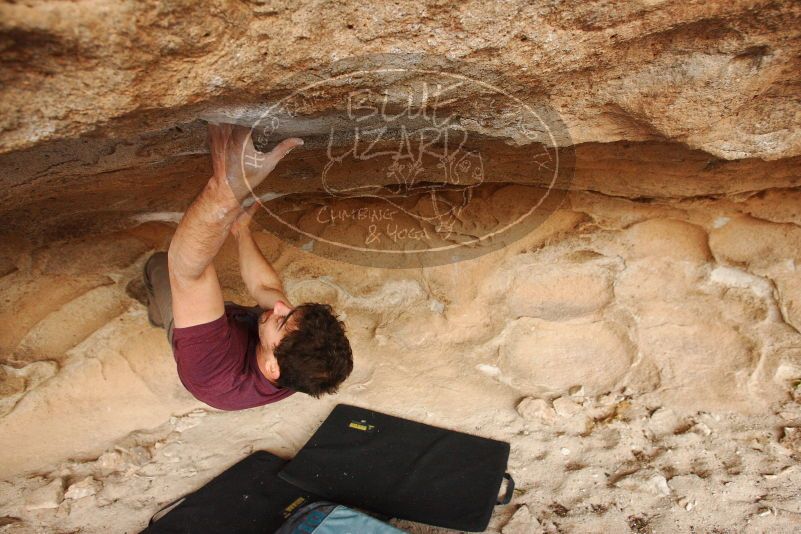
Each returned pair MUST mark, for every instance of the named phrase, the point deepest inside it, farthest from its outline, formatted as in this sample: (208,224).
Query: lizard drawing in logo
(430,186)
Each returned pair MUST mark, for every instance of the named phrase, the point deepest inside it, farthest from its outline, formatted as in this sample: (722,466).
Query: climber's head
(305,348)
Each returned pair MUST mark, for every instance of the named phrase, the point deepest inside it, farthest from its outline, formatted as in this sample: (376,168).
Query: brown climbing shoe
(153,313)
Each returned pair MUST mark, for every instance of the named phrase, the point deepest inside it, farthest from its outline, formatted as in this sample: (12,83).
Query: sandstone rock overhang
(719,76)
(100,104)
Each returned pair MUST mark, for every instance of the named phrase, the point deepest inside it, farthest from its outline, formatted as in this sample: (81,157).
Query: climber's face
(274,325)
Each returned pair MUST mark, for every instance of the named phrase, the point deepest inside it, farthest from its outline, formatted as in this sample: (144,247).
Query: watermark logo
(409,162)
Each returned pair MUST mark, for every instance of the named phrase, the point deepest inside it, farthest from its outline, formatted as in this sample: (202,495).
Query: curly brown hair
(315,357)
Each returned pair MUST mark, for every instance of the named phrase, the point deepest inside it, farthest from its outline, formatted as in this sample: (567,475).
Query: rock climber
(229,356)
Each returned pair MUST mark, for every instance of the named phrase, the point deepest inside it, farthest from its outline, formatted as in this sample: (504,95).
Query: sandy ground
(643,360)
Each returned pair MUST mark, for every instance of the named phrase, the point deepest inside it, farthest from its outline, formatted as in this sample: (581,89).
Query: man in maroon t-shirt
(229,356)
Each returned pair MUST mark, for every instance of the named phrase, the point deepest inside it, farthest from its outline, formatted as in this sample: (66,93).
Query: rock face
(720,76)
(557,357)
(656,288)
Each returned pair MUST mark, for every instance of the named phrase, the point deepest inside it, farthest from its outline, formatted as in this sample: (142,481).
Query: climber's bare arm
(196,293)
(260,278)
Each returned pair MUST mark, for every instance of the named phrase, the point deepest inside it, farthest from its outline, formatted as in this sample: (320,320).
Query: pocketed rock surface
(640,349)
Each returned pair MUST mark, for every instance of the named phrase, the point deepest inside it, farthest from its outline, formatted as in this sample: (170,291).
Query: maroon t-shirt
(217,361)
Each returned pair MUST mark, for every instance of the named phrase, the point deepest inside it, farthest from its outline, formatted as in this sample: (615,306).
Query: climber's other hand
(241,225)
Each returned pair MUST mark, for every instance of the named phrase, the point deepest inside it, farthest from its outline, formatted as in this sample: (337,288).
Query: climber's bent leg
(157,283)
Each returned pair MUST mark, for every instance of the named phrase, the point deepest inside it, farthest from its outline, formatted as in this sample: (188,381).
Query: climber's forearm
(257,272)
(202,231)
